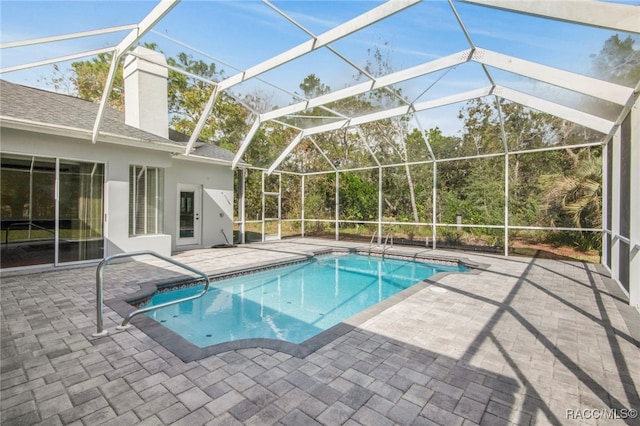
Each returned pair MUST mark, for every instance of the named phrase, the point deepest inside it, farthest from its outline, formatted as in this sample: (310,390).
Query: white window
(145,200)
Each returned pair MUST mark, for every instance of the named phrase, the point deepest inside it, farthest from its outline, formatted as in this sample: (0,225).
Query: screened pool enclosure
(483,124)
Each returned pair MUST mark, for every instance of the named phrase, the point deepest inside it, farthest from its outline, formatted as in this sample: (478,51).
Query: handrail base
(123,327)
(101,334)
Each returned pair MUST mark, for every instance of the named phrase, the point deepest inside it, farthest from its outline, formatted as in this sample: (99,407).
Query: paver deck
(524,341)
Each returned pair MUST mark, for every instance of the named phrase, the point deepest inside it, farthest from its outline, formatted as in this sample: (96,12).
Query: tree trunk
(414,207)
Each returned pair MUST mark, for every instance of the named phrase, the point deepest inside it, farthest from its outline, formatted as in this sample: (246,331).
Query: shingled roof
(201,148)
(29,104)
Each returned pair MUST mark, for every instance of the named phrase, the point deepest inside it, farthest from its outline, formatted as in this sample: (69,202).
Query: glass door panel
(27,203)
(188,215)
(81,211)
(187,220)
(30,223)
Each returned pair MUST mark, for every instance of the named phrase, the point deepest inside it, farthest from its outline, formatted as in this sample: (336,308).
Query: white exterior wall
(217,182)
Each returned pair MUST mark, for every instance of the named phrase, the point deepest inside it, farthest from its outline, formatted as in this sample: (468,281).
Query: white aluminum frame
(613,16)
(156,14)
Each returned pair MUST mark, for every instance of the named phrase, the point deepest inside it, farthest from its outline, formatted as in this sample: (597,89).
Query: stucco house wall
(216,182)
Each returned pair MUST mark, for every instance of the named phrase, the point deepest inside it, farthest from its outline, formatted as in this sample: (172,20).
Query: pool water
(292,303)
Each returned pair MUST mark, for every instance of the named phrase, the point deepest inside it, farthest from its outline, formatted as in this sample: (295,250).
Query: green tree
(358,197)
(187,95)
(86,80)
(452,175)
(573,198)
(618,61)
(391,140)
(228,121)
(479,184)
(574,195)
(312,87)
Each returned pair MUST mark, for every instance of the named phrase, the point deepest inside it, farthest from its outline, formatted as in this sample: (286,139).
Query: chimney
(145,89)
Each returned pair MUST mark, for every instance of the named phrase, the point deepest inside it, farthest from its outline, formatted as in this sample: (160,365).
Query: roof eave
(85,134)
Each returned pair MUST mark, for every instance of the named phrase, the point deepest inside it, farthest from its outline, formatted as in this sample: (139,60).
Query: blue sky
(243,33)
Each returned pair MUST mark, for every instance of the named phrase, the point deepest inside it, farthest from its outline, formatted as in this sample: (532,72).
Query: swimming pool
(291,303)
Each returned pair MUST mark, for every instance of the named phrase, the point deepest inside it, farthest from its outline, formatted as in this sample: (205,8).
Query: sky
(239,34)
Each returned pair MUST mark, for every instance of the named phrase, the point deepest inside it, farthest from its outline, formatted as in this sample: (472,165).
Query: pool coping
(188,352)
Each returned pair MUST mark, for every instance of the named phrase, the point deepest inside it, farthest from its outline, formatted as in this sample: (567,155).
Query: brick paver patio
(525,341)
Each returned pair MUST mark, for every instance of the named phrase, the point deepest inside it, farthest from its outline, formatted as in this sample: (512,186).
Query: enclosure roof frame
(611,16)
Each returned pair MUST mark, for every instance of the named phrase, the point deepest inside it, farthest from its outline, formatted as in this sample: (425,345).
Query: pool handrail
(125,323)
(372,238)
(386,240)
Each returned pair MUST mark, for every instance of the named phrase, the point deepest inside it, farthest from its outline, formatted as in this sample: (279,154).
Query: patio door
(188,215)
(271,206)
(52,211)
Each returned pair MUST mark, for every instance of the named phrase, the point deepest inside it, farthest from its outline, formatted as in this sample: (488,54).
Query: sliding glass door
(40,228)
(27,197)
(81,211)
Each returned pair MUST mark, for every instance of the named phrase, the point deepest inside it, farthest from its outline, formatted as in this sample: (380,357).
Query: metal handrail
(373,237)
(386,239)
(125,323)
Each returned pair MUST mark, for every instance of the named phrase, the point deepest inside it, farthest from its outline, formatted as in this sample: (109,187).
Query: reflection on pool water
(292,303)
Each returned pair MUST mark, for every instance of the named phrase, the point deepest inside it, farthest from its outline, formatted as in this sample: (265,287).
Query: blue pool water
(292,303)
